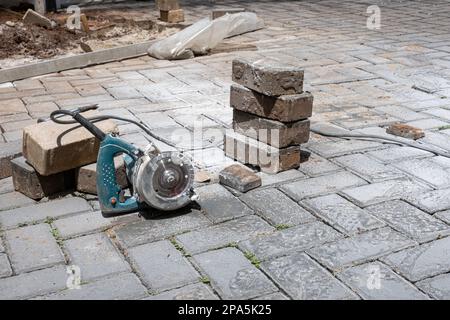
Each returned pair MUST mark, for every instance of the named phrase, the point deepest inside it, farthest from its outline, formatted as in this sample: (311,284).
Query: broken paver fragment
(8,151)
(32,17)
(286,108)
(239,177)
(172,16)
(268,77)
(405,131)
(35,186)
(52,148)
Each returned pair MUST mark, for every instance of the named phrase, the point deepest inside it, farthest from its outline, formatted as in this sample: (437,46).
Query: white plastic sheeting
(204,35)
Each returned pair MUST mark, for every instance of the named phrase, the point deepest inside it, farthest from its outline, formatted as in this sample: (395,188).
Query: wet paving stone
(360,248)
(342,214)
(422,261)
(232,275)
(304,279)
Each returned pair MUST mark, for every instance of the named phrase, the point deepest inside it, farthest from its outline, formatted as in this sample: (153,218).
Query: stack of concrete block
(170,11)
(54,158)
(270,115)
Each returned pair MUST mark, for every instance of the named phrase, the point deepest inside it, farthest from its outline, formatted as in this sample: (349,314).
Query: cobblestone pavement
(359,220)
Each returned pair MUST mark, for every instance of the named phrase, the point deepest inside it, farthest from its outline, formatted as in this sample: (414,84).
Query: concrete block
(27,181)
(274,133)
(32,17)
(172,16)
(52,148)
(239,177)
(286,108)
(268,77)
(268,158)
(167,5)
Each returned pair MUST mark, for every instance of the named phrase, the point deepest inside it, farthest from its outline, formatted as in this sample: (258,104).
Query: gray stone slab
(232,275)
(321,185)
(276,207)
(223,234)
(384,191)
(6,185)
(409,220)
(32,247)
(118,287)
(443,215)
(422,261)
(14,199)
(219,204)
(2,247)
(342,214)
(280,177)
(432,201)
(5,268)
(82,224)
(297,238)
(143,231)
(161,266)
(392,155)
(316,166)
(304,279)
(340,148)
(438,287)
(375,281)
(31,284)
(96,256)
(196,291)
(360,248)
(368,168)
(39,212)
(427,171)
(272,296)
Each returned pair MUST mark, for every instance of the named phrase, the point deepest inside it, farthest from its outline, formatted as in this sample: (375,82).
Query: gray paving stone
(409,220)
(31,284)
(304,279)
(219,204)
(375,281)
(280,177)
(272,296)
(196,291)
(14,199)
(316,166)
(401,113)
(397,154)
(223,234)
(2,247)
(5,268)
(321,185)
(438,287)
(161,266)
(422,261)
(443,215)
(342,214)
(368,168)
(384,191)
(276,207)
(427,171)
(232,275)
(6,185)
(118,287)
(32,248)
(82,224)
(360,248)
(143,231)
(426,124)
(297,238)
(41,211)
(340,148)
(432,201)
(96,256)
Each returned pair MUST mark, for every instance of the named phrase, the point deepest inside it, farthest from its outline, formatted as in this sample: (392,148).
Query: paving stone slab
(432,201)
(422,261)
(340,148)
(196,291)
(342,214)
(12,200)
(8,151)
(6,185)
(276,207)
(223,234)
(219,204)
(443,215)
(438,287)
(427,171)
(239,178)
(5,267)
(32,248)
(280,177)
(409,220)
(96,256)
(161,266)
(321,185)
(119,287)
(143,231)
(392,155)
(292,239)
(384,191)
(368,168)
(232,275)
(82,224)
(39,212)
(304,279)
(316,166)
(272,296)
(31,284)
(375,281)
(360,248)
